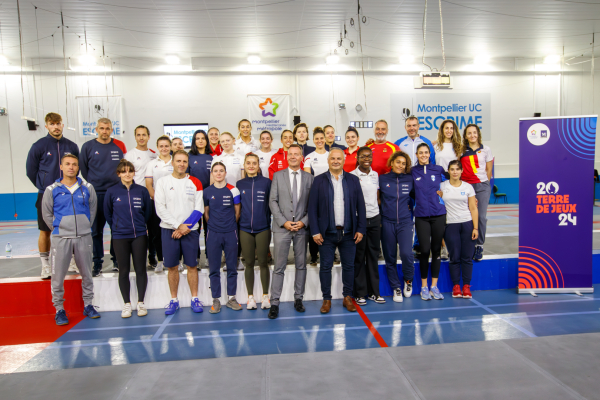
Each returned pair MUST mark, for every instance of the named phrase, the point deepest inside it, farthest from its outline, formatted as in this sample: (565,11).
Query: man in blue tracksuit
(69,206)
(337,218)
(99,161)
(43,168)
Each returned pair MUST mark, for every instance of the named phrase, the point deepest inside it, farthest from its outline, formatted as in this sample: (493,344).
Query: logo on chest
(433,178)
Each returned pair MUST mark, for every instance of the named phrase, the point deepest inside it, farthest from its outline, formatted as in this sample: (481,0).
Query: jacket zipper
(252,211)
(131,213)
(58,154)
(397,199)
(74,212)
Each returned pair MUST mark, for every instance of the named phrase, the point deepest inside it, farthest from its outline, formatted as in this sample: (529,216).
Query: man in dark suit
(288,202)
(337,219)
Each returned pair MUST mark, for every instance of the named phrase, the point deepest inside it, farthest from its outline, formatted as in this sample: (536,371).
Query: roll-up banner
(556,200)
(269,112)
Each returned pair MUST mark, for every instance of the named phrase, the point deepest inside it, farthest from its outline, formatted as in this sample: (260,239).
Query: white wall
(220,99)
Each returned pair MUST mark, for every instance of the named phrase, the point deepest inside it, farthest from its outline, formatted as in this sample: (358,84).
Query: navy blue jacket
(321,218)
(255,215)
(199,168)
(127,211)
(43,160)
(396,192)
(306,149)
(98,163)
(427,179)
(333,146)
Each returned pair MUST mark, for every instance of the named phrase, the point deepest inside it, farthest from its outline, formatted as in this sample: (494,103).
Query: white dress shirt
(298,179)
(338,199)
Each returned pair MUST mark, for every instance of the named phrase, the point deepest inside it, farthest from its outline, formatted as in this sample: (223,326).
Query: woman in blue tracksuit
(255,227)
(395,191)
(430,219)
(200,159)
(128,209)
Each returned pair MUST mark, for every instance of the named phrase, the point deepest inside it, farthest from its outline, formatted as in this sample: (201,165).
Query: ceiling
(148,30)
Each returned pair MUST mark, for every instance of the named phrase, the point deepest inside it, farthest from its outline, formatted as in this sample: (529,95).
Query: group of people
(327,199)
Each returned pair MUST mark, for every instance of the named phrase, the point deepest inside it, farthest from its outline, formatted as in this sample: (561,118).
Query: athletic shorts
(187,245)
(41,223)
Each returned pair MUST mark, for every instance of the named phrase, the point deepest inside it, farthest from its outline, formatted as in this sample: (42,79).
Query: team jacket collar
(59,183)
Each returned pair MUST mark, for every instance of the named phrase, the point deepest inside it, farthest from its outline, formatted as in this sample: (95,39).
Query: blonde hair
(457,144)
(228,134)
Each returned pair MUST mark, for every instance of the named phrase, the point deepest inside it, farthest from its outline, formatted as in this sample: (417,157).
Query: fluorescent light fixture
(87,60)
(332,59)
(407,59)
(552,59)
(481,60)
(172,59)
(3,60)
(253,59)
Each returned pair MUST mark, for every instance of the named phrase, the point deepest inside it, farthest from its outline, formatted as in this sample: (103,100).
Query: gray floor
(556,367)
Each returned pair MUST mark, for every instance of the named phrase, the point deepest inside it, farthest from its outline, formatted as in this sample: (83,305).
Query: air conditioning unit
(433,80)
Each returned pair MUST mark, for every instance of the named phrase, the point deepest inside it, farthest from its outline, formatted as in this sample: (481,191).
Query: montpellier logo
(271,108)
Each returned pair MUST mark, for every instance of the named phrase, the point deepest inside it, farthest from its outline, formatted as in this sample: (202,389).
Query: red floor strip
(367,322)
(34,329)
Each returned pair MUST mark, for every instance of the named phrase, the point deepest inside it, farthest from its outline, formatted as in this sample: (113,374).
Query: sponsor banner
(269,113)
(91,108)
(184,131)
(433,108)
(556,192)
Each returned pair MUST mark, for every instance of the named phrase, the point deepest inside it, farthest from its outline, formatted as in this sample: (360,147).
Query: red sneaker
(466,293)
(456,291)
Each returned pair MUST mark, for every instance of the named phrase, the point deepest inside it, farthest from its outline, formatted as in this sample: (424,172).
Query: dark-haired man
(43,168)
(69,206)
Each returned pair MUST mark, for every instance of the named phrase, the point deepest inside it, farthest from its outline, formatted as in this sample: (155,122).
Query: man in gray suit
(289,205)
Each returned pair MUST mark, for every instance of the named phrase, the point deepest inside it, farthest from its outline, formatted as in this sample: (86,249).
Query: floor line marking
(163,326)
(411,384)
(369,324)
(516,326)
(543,372)
(317,329)
(329,315)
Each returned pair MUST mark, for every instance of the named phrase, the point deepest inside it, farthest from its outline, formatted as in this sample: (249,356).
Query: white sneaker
(141,310)
(251,305)
(73,266)
(46,271)
(266,303)
(444,253)
(126,313)
(240,266)
(407,289)
(160,267)
(181,267)
(398,298)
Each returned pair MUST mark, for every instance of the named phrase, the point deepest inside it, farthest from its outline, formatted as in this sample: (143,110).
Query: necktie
(295,192)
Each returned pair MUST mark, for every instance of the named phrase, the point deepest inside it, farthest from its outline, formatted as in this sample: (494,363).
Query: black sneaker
(96,270)
(273,312)
(478,253)
(298,305)
(361,301)
(377,299)
(152,262)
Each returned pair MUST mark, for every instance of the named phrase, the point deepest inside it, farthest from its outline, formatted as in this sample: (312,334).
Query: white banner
(91,108)
(433,108)
(269,113)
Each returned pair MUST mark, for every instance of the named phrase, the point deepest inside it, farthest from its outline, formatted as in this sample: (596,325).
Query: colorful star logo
(271,110)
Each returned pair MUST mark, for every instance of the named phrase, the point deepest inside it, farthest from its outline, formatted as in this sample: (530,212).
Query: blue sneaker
(197,306)
(90,311)
(478,253)
(172,307)
(61,317)
(425,293)
(435,292)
